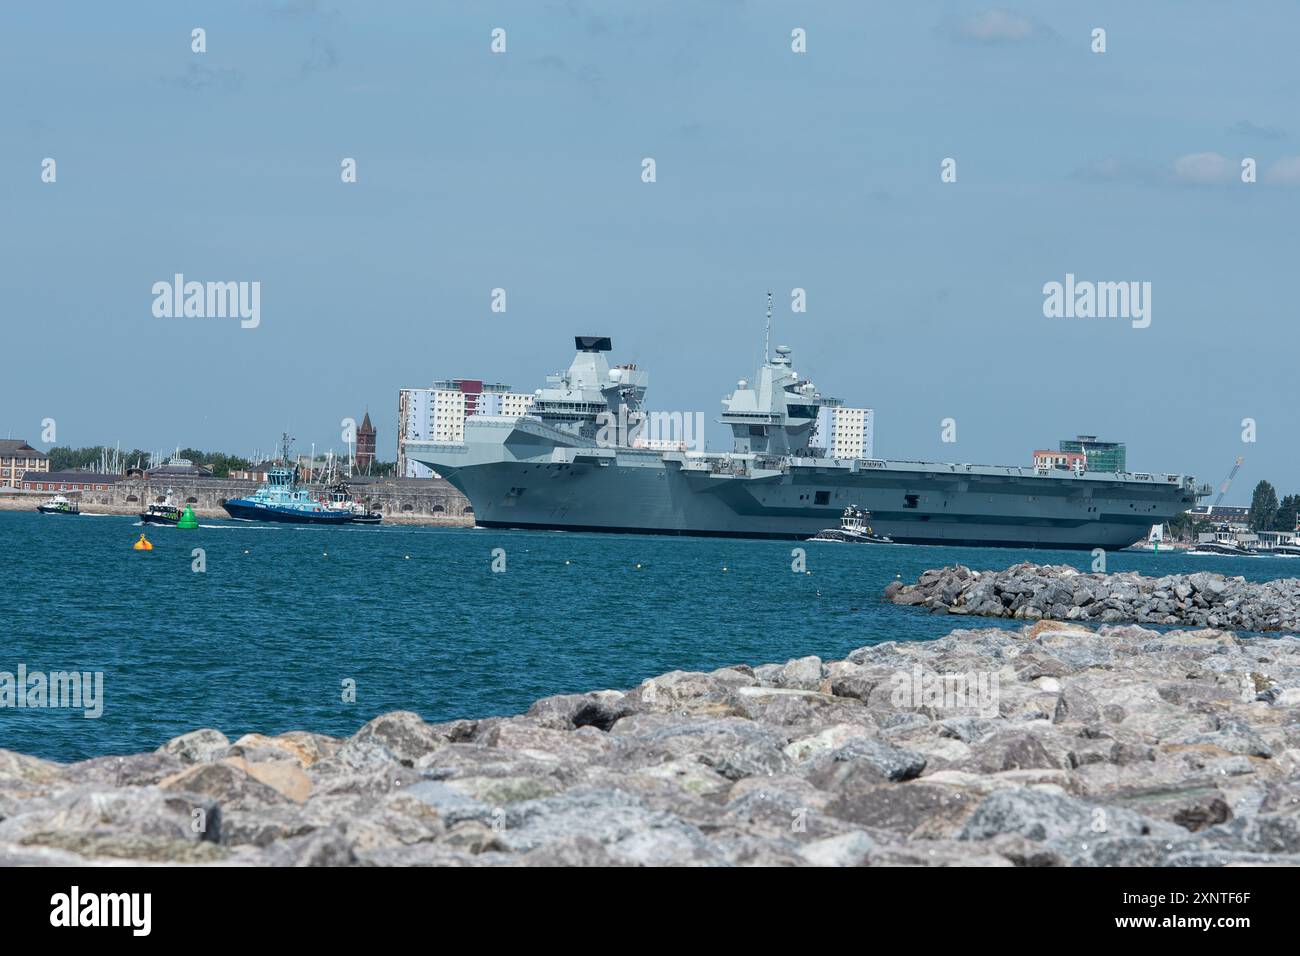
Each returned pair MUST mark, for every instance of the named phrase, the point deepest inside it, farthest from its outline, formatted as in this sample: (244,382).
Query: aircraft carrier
(573,464)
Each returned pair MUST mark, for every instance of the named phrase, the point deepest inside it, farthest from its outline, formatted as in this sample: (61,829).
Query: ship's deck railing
(934,467)
(730,463)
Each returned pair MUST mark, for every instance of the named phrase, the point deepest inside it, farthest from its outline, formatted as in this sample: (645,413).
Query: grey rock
(862,762)
(1043,816)
(406,736)
(197,746)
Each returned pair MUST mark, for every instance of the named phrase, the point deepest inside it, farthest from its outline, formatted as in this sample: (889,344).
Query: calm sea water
(263,640)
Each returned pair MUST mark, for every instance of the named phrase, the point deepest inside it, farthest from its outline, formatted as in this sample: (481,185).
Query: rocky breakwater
(1051,745)
(1062,593)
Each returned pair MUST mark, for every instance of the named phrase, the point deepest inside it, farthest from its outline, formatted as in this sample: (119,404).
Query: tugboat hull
(849,537)
(147,518)
(46,510)
(245,510)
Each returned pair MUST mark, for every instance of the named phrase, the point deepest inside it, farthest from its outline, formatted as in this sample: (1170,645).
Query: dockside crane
(1223,488)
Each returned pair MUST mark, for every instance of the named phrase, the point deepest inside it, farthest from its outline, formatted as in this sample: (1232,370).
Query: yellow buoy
(143,544)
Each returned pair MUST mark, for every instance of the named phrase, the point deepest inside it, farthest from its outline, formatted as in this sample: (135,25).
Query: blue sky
(775,170)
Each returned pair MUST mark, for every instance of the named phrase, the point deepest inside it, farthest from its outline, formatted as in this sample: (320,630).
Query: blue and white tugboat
(283,498)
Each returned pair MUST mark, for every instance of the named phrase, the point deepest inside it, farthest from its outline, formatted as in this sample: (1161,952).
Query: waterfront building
(413,424)
(1109,456)
(178,468)
(365,454)
(68,481)
(1232,515)
(17,458)
(255,472)
(1066,460)
(844,432)
(438,413)
(852,433)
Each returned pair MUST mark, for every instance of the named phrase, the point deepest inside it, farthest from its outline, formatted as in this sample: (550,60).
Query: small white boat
(1155,538)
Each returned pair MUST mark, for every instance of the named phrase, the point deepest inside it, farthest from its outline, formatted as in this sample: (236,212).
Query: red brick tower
(365,456)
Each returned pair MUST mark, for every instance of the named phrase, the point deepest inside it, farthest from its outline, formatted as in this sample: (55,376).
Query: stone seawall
(402,501)
(1053,745)
(1062,593)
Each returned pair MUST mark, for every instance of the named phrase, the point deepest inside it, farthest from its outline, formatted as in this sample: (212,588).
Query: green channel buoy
(188,521)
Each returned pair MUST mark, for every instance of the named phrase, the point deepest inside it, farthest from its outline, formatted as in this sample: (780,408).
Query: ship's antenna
(767,334)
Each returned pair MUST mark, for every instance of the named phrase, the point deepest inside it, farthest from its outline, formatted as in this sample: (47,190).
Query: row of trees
(1267,513)
(74,459)
(78,459)
(220,463)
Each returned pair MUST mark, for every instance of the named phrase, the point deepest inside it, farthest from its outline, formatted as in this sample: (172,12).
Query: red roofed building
(1065,460)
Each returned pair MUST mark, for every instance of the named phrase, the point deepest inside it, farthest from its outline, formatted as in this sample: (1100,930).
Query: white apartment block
(447,416)
(845,432)
(438,414)
(414,423)
(852,433)
(512,404)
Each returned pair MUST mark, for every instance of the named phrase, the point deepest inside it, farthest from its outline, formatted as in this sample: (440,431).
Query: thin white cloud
(1195,169)
(1205,168)
(1283,172)
(1113,169)
(995,26)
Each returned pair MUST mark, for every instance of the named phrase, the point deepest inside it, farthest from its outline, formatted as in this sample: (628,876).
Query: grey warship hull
(577,462)
(522,473)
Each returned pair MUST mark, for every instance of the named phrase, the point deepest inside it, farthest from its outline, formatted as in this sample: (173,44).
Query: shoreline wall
(430,501)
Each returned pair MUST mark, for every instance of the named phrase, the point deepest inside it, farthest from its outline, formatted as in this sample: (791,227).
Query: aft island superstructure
(570,464)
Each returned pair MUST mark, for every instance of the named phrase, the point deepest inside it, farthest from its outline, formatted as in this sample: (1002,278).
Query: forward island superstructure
(570,464)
